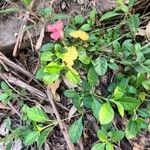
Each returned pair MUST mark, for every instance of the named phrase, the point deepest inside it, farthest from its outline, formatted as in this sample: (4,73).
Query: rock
(84,6)
(10,24)
(8,29)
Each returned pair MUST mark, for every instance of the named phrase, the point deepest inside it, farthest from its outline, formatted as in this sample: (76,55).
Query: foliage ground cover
(81,55)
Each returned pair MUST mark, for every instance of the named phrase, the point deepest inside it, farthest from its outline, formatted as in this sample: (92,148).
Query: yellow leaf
(70,56)
(80,34)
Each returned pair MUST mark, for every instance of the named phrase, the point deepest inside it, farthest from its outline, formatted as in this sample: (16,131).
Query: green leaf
(75,130)
(4,86)
(78,19)
(109,146)
(118,93)
(120,108)
(83,57)
(146,84)
(4,96)
(73,76)
(86,86)
(109,15)
(132,2)
(127,45)
(48,79)
(117,135)
(40,74)
(59,17)
(27,2)
(117,47)
(54,67)
(45,12)
(87,101)
(99,146)
(8,123)
(31,137)
(147,62)
(47,47)
(70,93)
(106,114)
(95,108)
(123,8)
(102,135)
(43,135)
(46,56)
(92,77)
(140,68)
(100,66)
(133,23)
(132,89)
(145,113)
(119,3)
(37,114)
(76,100)
(113,66)
(93,15)
(132,129)
(129,103)
(86,27)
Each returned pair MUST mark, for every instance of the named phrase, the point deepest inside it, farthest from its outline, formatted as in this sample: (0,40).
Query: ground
(20,68)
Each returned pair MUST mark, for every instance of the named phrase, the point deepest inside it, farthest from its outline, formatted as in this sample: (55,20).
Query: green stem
(101,97)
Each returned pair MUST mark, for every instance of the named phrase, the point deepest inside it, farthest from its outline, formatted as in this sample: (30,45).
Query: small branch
(61,123)
(13,65)
(40,40)
(14,109)
(22,84)
(21,31)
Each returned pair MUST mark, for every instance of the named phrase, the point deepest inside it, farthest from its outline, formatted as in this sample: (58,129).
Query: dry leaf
(80,34)
(40,40)
(70,56)
(53,87)
(148,31)
(2,106)
(141,32)
(72,111)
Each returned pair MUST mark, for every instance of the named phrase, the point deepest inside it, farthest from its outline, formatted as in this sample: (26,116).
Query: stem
(101,97)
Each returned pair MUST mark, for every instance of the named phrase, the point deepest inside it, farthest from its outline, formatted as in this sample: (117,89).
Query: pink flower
(56,30)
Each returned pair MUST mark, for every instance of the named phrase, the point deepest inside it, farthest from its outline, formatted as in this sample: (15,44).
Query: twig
(21,31)
(12,107)
(30,38)
(20,34)
(21,84)
(61,124)
(40,40)
(3,78)
(18,68)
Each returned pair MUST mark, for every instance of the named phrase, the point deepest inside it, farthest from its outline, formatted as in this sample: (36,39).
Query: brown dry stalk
(11,64)
(40,40)
(19,83)
(61,123)
(21,32)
